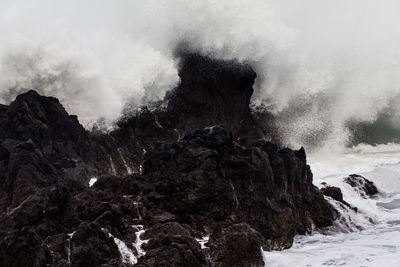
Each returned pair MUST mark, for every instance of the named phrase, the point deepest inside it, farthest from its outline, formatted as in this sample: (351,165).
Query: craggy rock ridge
(211,92)
(210,197)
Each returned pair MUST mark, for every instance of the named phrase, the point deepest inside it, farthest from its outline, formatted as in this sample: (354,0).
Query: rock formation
(172,188)
(336,194)
(363,186)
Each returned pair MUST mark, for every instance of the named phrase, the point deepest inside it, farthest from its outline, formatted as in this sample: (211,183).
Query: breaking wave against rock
(184,135)
(316,75)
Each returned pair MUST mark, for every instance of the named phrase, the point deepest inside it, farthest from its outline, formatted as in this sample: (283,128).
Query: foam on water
(319,63)
(373,247)
(374,238)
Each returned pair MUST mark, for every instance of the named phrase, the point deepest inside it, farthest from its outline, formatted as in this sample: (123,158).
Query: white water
(376,244)
(332,60)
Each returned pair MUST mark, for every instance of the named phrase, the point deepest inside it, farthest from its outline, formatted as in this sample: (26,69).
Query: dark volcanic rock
(237,245)
(90,246)
(159,190)
(23,248)
(173,250)
(206,179)
(210,92)
(363,186)
(43,120)
(335,193)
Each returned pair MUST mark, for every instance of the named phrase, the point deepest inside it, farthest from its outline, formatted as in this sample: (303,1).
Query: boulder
(336,194)
(237,245)
(173,250)
(363,186)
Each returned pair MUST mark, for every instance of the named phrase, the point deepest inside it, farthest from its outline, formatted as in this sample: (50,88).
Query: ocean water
(370,237)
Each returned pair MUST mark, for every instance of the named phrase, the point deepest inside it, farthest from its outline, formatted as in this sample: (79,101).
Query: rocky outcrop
(211,197)
(333,192)
(336,194)
(363,186)
(237,244)
(210,92)
(210,180)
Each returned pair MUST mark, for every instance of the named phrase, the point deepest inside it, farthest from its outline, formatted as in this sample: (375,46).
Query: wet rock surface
(167,193)
(333,192)
(363,186)
(336,194)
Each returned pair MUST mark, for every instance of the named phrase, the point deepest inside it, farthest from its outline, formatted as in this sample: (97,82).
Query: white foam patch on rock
(126,253)
(128,169)
(139,242)
(71,234)
(92,181)
(69,248)
(140,169)
(203,241)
